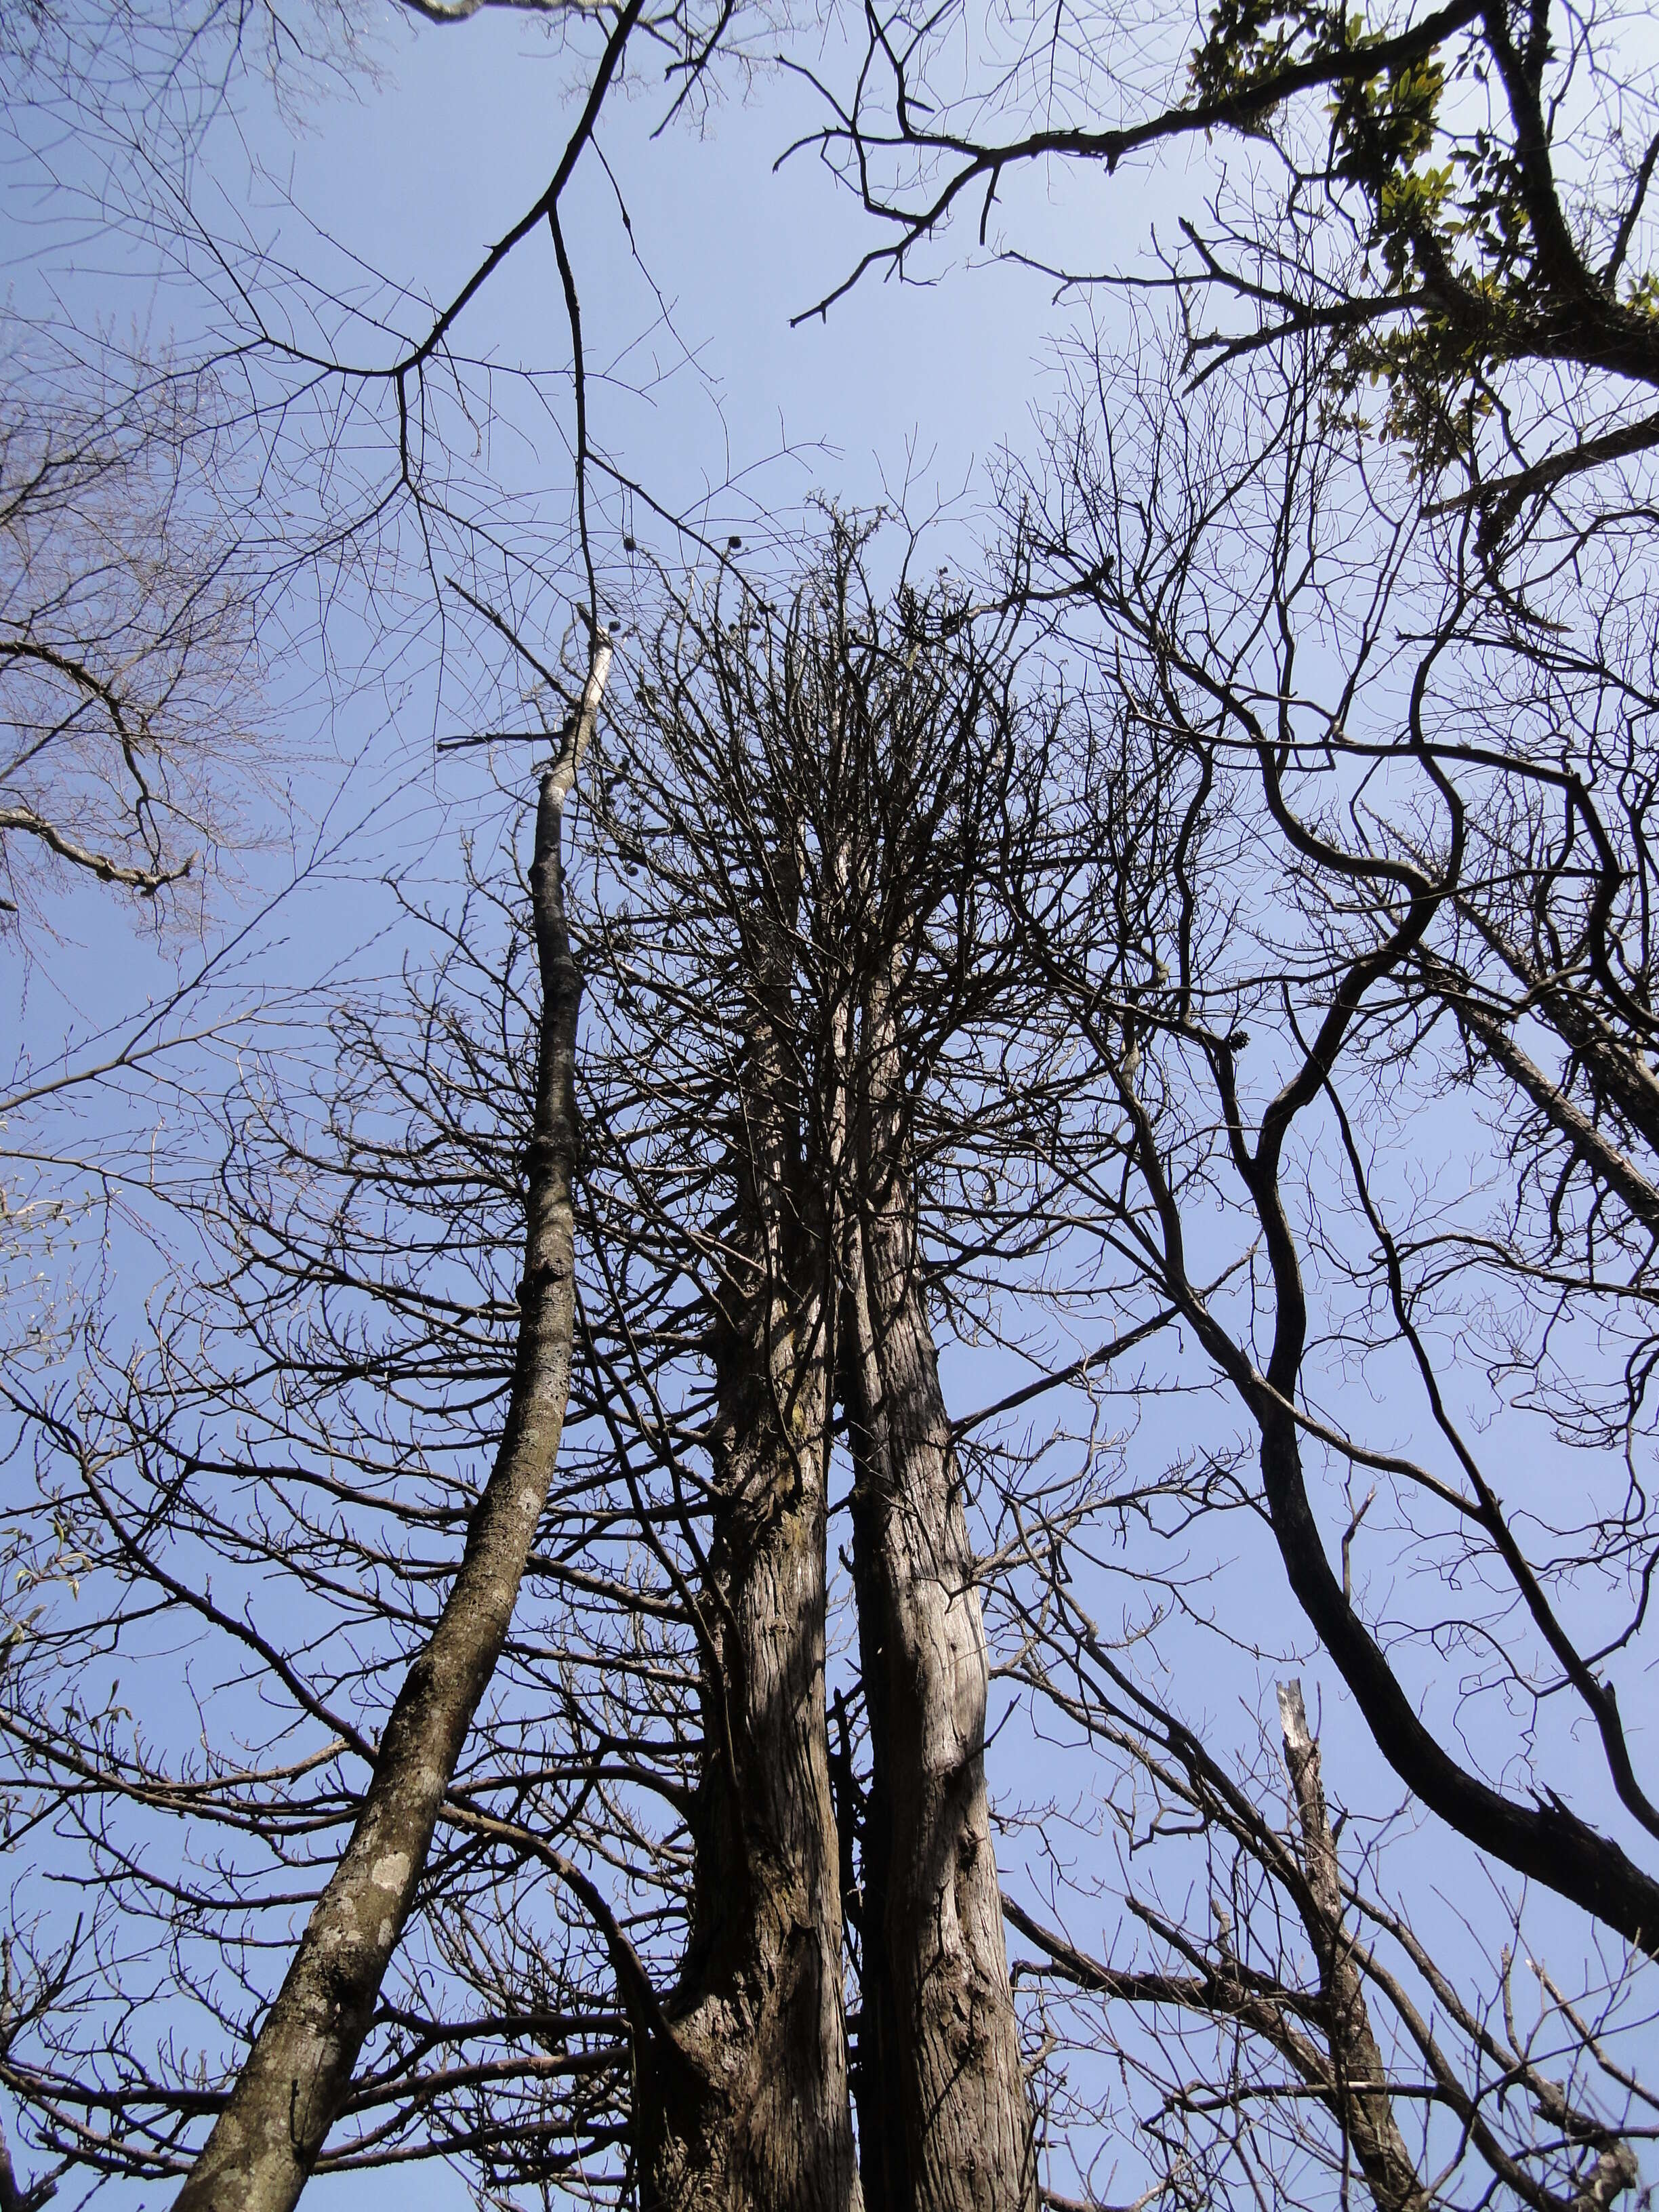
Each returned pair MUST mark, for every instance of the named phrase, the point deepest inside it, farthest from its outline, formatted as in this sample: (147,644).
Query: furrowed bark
(968,2142)
(295,2080)
(864,1824)
(1360,2092)
(763,2118)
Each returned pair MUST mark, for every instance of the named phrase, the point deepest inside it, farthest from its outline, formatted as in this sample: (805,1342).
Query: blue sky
(913,384)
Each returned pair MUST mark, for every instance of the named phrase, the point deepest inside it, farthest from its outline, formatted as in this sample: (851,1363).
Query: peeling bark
(933,1942)
(1358,2091)
(295,2080)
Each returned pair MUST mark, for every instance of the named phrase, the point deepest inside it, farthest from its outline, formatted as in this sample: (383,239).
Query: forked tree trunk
(940,1980)
(295,2080)
(763,2123)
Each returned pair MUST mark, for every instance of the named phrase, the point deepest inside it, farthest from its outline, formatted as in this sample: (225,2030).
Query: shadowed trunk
(967,2137)
(295,2080)
(760,2009)
(864,1826)
(877,2066)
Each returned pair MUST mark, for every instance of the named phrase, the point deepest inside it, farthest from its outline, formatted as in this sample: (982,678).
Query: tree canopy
(854,1407)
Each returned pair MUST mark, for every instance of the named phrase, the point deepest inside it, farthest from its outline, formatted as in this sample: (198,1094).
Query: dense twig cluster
(1031,1166)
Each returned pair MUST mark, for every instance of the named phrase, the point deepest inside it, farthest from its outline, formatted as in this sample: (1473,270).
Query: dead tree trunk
(294,2082)
(764,2124)
(936,1937)
(1359,2081)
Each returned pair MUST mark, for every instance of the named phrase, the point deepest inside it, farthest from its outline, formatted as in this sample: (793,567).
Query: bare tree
(907,955)
(130,676)
(298,2073)
(839,768)
(147,621)
(935,1967)
(1207,553)
(705,829)
(1455,200)
(1307,1992)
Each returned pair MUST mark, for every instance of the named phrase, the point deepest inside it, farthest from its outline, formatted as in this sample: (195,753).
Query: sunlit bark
(295,2079)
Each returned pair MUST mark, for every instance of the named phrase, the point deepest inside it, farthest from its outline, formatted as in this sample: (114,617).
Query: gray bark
(762,2117)
(1615,1069)
(295,2080)
(933,1945)
(1359,2092)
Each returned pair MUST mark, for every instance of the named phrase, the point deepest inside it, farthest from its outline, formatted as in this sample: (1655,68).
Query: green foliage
(1423,155)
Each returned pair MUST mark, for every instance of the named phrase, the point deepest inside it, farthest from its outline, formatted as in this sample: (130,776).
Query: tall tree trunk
(295,2080)
(760,2009)
(1359,2092)
(967,2131)
(865,1826)
(878,2065)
